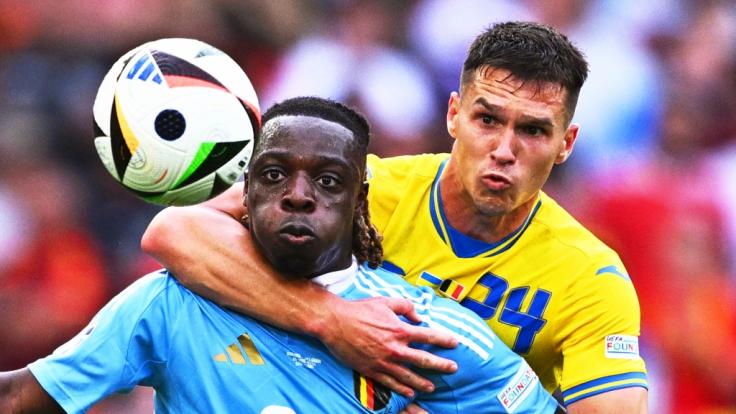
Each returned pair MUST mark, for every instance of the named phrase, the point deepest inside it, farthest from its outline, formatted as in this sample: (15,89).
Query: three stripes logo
(146,69)
(234,353)
(371,395)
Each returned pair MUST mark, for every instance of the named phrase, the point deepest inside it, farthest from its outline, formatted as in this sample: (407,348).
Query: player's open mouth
(296,233)
(496,181)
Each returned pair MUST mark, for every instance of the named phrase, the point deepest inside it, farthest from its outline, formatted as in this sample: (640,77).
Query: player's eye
(533,131)
(328,181)
(489,119)
(273,174)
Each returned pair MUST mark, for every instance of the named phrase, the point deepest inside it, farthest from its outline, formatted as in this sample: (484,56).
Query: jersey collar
(336,282)
(462,245)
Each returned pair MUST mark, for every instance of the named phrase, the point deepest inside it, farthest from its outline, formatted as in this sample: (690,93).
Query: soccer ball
(175,121)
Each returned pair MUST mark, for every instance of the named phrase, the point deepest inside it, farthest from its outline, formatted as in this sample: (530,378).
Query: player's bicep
(627,400)
(20,392)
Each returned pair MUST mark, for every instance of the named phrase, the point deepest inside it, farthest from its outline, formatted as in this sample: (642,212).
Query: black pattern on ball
(170,124)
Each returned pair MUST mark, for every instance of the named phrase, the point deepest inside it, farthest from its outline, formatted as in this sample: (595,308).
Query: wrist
(324,318)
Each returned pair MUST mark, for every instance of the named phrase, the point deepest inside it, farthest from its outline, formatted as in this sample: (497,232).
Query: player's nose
(299,194)
(502,147)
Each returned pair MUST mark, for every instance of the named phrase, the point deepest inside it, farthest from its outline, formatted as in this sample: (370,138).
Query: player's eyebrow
(285,155)
(541,122)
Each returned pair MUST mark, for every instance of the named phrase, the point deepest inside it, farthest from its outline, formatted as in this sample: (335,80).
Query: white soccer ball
(175,121)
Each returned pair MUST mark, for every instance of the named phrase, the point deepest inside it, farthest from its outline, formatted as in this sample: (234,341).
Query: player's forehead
(303,138)
(501,87)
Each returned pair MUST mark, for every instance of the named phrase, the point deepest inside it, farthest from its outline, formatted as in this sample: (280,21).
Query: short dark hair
(531,52)
(326,109)
(366,240)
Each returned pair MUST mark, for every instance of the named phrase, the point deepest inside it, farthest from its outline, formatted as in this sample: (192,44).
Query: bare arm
(21,393)
(210,252)
(626,400)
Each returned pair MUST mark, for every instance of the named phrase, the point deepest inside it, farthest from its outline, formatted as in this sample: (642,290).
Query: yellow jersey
(550,290)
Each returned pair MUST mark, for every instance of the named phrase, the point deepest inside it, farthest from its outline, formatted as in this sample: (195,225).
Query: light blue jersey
(203,358)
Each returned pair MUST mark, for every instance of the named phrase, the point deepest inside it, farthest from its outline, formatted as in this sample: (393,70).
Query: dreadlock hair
(531,52)
(366,240)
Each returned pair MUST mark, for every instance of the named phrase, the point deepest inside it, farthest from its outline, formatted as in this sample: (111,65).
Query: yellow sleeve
(600,341)
(389,179)
(382,194)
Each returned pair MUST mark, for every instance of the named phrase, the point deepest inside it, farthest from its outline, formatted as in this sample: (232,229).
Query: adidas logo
(145,72)
(234,353)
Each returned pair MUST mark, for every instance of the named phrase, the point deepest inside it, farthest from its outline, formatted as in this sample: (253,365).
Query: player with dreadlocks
(306,204)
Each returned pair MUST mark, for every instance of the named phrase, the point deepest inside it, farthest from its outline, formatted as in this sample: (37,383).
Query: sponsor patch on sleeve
(518,389)
(622,347)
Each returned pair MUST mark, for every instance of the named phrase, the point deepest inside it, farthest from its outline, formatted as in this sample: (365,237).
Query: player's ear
(245,220)
(245,188)
(453,107)
(568,143)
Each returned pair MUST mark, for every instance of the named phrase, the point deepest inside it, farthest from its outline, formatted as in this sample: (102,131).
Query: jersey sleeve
(490,377)
(600,336)
(391,178)
(123,346)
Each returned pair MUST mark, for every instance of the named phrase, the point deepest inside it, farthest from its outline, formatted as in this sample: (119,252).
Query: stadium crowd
(653,172)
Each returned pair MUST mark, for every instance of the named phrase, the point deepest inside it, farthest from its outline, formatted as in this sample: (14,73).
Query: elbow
(156,240)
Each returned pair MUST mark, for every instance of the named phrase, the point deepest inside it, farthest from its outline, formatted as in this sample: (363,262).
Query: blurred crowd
(653,173)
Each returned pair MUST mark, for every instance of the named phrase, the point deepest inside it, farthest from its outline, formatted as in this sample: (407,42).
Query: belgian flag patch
(371,394)
(451,289)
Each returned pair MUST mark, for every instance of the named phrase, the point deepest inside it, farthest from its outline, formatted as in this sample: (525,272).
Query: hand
(413,409)
(368,336)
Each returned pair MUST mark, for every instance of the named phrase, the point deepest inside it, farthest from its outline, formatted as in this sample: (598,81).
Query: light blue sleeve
(490,378)
(124,345)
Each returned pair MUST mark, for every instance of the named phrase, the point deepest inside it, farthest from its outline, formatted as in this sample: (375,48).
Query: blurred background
(653,172)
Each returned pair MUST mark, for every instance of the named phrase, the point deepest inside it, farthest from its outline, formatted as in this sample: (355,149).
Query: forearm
(213,254)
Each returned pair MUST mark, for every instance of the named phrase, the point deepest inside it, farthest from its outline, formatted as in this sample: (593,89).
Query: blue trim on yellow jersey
(613,269)
(431,278)
(434,199)
(629,379)
(518,232)
(392,267)
(462,245)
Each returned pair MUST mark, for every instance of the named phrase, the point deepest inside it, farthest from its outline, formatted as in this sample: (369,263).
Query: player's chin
(494,204)
(297,260)
(295,267)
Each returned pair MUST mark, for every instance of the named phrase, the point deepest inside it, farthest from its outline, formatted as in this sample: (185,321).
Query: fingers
(394,384)
(403,307)
(426,360)
(419,334)
(408,378)
(414,409)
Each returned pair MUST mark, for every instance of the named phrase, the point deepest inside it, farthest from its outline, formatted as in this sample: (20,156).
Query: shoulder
(593,272)
(424,165)
(569,235)
(149,289)
(156,298)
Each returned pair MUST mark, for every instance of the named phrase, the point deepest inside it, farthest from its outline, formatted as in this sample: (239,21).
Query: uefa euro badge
(451,289)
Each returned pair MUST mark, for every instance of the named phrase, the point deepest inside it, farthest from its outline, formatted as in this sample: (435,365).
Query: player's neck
(465,217)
